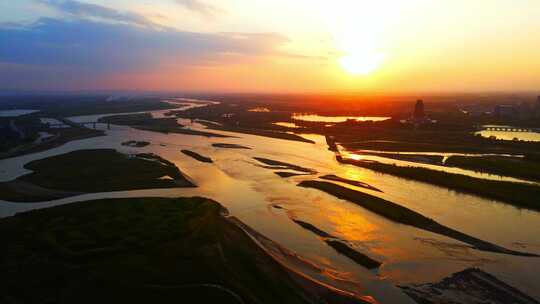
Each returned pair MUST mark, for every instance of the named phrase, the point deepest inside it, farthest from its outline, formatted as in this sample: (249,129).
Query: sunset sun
(362,64)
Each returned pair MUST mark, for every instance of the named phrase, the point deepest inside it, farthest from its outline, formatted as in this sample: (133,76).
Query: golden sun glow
(360,32)
(361,64)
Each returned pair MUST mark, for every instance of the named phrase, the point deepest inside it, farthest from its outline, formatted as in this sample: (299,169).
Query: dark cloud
(86,10)
(200,7)
(92,48)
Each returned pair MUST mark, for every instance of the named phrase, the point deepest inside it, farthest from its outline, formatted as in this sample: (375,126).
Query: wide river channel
(250,192)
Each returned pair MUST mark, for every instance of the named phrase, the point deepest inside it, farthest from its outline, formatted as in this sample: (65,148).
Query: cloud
(200,7)
(86,10)
(83,49)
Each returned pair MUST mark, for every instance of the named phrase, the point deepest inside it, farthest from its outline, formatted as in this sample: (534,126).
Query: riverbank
(142,250)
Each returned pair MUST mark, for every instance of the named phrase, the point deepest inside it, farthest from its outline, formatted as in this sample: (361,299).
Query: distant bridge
(65,121)
(511,129)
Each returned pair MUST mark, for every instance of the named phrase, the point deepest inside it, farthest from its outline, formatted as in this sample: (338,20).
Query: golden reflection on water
(349,155)
(354,174)
(349,225)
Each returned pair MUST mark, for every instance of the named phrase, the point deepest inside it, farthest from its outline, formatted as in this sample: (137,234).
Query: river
(409,255)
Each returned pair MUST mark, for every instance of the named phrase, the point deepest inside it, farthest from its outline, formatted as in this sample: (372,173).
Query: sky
(271,46)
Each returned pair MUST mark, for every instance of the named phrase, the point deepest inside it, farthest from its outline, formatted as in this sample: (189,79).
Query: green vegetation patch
(86,171)
(139,250)
(500,165)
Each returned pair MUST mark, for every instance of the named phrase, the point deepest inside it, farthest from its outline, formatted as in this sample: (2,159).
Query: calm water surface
(336,119)
(410,255)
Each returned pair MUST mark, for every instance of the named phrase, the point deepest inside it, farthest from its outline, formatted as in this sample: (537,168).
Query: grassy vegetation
(144,250)
(146,122)
(88,171)
(197,156)
(403,215)
(518,194)
(506,166)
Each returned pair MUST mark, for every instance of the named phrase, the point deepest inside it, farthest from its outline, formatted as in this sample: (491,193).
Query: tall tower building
(419,113)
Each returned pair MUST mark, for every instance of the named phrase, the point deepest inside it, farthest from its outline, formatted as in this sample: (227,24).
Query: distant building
(419,113)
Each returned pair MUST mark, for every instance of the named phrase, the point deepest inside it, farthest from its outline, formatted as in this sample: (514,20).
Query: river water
(409,255)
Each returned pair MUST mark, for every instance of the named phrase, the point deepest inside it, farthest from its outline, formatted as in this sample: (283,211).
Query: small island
(135,143)
(284,174)
(275,164)
(72,174)
(356,183)
(197,156)
(230,146)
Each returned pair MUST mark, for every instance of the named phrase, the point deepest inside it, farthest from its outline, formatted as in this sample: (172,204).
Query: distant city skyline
(279,46)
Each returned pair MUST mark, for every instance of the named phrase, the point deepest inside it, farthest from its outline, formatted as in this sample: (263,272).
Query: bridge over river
(510,129)
(64,121)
